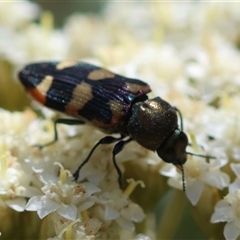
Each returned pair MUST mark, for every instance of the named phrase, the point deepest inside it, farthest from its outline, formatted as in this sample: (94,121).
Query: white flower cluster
(188,52)
(28,172)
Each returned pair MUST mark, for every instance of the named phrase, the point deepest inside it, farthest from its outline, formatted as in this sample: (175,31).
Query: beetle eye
(174,149)
(172,155)
(168,155)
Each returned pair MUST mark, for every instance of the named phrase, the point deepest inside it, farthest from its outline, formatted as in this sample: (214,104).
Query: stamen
(84,215)
(68,230)
(132,185)
(63,172)
(47,22)
(194,142)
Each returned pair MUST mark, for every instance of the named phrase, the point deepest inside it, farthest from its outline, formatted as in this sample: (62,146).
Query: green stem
(172,215)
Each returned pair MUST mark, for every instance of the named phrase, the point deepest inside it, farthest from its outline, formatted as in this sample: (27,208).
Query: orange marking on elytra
(40,91)
(37,95)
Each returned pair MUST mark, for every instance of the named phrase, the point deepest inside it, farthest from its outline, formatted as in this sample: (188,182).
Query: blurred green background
(62,9)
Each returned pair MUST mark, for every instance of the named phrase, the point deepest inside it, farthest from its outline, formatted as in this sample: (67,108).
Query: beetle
(110,102)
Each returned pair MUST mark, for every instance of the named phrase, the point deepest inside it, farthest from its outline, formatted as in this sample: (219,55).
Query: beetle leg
(105,140)
(60,121)
(117,149)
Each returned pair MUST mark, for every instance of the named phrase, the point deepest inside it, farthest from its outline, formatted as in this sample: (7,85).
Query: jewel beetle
(111,103)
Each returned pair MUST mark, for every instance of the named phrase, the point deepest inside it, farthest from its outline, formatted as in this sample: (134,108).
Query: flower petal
(48,207)
(223,212)
(217,179)
(133,212)
(236,169)
(194,192)
(168,170)
(18,204)
(90,189)
(125,224)
(69,212)
(234,186)
(34,203)
(231,231)
(111,213)
(85,205)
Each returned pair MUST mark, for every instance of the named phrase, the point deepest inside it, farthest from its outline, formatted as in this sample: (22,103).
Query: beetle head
(173,149)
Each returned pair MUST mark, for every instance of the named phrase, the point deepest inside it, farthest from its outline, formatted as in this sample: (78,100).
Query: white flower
(78,25)
(227,210)
(14,184)
(66,199)
(15,175)
(142,237)
(76,229)
(15,14)
(197,173)
(119,208)
(15,123)
(88,229)
(33,43)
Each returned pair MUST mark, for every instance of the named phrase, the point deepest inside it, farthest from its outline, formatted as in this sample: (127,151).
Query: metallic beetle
(110,102)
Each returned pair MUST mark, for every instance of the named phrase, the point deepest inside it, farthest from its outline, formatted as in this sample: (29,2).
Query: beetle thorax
(151,122)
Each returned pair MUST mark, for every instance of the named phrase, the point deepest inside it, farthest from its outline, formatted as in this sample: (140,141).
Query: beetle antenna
(200,155)
(180,117)
(189,153)
(183,178)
